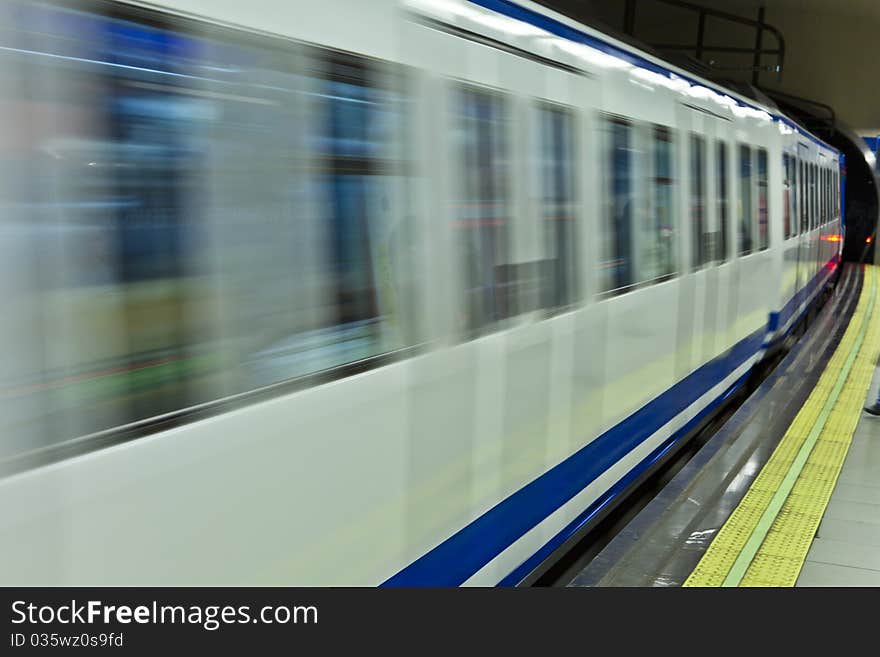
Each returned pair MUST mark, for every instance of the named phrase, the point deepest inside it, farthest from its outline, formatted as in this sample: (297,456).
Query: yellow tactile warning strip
(766,539)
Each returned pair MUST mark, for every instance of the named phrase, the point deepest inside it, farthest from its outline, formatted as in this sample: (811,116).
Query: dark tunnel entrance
(861,199)
(861,204)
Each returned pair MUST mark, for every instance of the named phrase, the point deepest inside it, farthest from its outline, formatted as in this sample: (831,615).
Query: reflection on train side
(185,217)
(192,212)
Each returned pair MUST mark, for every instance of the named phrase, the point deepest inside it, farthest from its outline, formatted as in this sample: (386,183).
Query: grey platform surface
(846,550)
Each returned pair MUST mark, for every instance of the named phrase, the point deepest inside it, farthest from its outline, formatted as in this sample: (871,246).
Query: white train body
(509,385)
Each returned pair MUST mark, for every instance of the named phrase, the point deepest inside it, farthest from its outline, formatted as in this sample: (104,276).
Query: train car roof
(551,22)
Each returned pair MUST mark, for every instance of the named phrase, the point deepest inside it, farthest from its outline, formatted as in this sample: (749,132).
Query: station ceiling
(831,48)
(842,7)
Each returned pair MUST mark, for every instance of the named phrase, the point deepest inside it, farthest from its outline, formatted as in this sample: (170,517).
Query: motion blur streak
(353,292)
(186,216)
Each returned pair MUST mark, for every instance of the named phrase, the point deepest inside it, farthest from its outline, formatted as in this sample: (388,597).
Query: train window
(837,199)
(763,223)
(834,193)
(786,195)
(746,219)
(616,264)
(830,187)
(559,287)
(651,194)
(721,190)
(126,318)
(832,183)
(662,205)
(482,213)
(830,178)
(825,204)
(811,208)
(802,196)
(314,243)
(814,195)
(827,197)
(795,198)
(808,198)
(222,205)
(356,119)
(701,235)
(652,199)
(796,192)
(811,198)
(811,182)
(795,195)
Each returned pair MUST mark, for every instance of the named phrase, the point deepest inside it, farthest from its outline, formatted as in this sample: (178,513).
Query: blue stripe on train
(519,573)
(457,558)
(465,552)
(775,322)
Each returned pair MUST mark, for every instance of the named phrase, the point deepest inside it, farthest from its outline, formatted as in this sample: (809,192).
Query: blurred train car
(368,292)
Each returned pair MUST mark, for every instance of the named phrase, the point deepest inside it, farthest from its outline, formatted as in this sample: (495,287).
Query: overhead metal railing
(701,49)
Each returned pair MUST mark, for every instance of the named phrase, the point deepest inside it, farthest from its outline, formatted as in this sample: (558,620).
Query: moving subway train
(368,292)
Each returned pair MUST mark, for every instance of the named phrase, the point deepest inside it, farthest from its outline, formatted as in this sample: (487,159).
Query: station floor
(846,549)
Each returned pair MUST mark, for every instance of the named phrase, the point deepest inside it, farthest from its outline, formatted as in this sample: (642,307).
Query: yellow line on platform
(766,539)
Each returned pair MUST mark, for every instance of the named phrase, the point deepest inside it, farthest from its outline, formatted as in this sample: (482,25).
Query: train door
(558,216)
(501,142)
(815,218)
(541,272)
(716,232)
(790,282)
(724,175)
(649,310)
(691,293)
(804,272)
(825,232)
(699,131)
(453,397)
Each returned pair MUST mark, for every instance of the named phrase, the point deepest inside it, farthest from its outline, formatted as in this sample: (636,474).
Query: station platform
(787,492)
(846,549)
